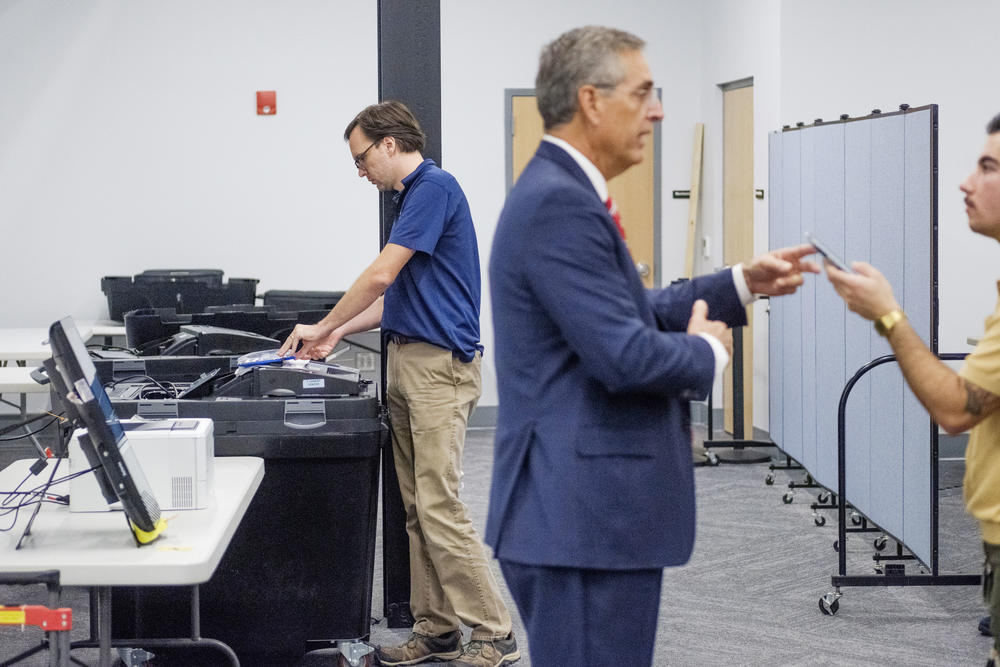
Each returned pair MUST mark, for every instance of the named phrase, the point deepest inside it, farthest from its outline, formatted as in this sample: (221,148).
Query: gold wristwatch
(884,324)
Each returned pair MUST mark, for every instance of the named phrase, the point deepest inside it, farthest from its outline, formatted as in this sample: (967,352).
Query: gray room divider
(867,188)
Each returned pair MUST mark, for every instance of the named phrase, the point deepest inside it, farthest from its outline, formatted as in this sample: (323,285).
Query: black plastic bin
(147,326)
(301,300)
(186,290)
(297,575)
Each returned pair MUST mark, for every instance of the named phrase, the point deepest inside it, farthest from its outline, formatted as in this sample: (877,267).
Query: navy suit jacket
(592,463)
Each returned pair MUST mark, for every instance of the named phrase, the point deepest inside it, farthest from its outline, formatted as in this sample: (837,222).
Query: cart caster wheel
(819,519)
(787,498)
(879,543)
(829,603)
(823,497)
(836,545)
(711,458)
(355,654)
(132,657)
(769,480)
(878,569)
(855,518)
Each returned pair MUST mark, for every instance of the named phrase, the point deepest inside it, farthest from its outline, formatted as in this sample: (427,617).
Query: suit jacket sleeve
(673,304)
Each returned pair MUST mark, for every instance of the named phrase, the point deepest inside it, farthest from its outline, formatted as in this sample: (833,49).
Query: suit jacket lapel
(550,151)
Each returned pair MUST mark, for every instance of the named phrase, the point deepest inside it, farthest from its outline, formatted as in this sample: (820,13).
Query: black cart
(297,575)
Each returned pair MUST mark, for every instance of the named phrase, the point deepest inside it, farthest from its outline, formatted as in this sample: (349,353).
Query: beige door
(633,191)
(737,227)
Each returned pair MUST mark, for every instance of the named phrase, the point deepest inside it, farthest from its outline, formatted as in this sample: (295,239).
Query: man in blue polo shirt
(423,290)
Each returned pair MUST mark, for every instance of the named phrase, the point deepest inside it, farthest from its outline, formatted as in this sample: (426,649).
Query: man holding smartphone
(969,399)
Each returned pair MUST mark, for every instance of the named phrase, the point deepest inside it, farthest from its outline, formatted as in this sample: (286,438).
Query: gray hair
(588,55)
(994,125)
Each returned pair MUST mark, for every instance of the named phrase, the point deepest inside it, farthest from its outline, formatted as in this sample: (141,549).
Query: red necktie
(615,215)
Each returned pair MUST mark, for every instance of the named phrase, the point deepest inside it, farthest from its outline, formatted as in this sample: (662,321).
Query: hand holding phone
(822,249)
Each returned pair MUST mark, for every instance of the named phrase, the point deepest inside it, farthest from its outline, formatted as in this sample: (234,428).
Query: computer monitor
(105,437)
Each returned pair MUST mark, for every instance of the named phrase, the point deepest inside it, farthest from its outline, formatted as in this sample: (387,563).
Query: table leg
(94,606)
(104,625)
(195,613)
(62,652)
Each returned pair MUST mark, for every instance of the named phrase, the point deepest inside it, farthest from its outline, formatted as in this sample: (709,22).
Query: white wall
(740,41)
(129,140)
(813,59)
(853,56)
(488,47)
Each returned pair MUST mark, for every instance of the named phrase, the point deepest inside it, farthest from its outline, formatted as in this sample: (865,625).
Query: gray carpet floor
(750,594)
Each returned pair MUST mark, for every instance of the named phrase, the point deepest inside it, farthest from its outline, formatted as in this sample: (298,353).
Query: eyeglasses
(646,96)
(360,159)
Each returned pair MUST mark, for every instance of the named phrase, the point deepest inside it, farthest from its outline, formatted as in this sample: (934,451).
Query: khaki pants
(431,396)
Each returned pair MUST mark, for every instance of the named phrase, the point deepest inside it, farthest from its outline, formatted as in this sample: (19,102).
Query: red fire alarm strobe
(266,103)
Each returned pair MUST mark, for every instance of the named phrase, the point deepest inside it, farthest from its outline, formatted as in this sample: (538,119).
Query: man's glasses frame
(360,158)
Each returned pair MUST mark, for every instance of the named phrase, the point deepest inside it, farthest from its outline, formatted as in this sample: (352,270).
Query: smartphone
(827,254)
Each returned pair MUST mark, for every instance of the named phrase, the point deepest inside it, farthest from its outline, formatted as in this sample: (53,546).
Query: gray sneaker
(480,653)
(421,648)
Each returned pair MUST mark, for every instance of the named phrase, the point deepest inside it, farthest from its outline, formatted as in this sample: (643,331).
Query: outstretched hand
(699,323)
(866,291)
(324,348)
(779,271)
(311,337)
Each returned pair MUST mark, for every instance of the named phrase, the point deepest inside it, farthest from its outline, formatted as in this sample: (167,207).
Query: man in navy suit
(593,491)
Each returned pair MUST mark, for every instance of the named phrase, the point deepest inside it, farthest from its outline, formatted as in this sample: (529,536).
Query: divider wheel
(879,543)
(856,518)
(787,498)
(711,458)
(769,480)
(823,497)
(819,519)
(364,661)
(829,603)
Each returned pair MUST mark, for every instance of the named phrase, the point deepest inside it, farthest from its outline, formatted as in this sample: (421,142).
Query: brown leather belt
(400,339)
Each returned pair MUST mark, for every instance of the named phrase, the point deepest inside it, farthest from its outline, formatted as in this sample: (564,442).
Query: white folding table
(96,550)
(24,345)
(30,344)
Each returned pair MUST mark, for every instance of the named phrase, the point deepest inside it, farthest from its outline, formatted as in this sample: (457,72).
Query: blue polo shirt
(435,298)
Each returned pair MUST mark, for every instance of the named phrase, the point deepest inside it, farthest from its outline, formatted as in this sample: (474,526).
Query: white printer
(176,456)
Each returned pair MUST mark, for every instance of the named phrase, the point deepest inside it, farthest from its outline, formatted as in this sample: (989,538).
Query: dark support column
(409,62)
(409,70)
